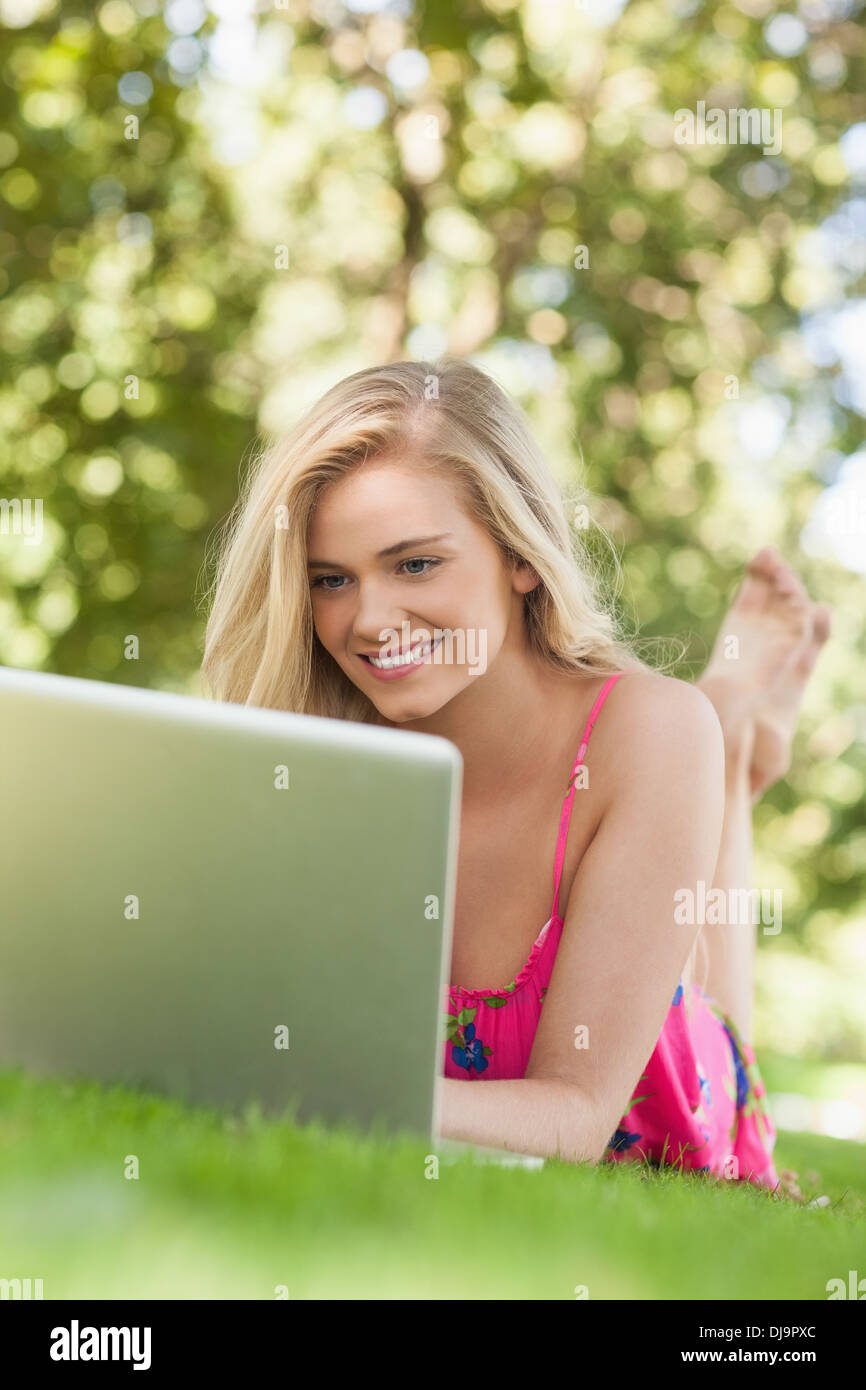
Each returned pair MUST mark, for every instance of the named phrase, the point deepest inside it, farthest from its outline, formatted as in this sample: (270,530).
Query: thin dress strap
(566,808)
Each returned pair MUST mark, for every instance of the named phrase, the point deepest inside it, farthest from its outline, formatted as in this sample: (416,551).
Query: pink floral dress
(699,1102)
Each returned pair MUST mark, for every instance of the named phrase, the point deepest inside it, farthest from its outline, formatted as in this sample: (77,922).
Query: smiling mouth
(410,658)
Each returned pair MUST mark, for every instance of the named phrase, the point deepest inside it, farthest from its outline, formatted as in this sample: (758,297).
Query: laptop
(226,904)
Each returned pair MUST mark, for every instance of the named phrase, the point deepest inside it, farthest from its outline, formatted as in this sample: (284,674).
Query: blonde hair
(260,644)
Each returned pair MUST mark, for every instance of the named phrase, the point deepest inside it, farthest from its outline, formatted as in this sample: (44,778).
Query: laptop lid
(222,903)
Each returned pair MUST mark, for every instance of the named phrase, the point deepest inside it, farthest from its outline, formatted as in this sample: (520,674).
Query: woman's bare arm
(548,1118)
(660,767)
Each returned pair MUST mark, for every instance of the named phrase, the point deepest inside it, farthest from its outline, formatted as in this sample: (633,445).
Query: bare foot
(777,718)
(789,1185)
(767,644)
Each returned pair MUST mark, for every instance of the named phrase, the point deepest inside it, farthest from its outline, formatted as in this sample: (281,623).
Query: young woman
(412,504)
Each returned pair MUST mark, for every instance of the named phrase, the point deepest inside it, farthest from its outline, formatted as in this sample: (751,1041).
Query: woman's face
(395,564)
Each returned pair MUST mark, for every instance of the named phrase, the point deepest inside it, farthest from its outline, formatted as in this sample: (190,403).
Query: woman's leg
(766,648)
(730,949)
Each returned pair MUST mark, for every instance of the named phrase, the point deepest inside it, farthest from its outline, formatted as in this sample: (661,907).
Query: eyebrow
(384,554)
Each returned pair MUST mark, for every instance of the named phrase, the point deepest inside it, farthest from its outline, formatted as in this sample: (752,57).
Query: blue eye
(420,560)
(416,574)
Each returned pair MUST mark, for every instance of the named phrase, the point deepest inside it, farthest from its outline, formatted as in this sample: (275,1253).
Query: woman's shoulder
(648,715)
(656,693)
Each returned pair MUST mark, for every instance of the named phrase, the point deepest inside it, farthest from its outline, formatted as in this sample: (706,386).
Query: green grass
(233,1207)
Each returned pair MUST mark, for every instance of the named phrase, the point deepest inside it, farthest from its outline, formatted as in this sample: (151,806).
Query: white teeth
(387,662)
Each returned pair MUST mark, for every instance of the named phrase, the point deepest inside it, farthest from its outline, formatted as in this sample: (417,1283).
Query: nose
(376,615)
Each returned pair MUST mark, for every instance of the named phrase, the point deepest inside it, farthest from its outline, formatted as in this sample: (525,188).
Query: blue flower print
(622,1140)
(742,1078)
(678,996)
(706,1092)
(472,1055)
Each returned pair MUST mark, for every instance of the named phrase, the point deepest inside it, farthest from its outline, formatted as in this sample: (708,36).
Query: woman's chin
(403,707)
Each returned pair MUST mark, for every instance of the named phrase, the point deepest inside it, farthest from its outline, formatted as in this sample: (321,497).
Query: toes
(797,612)
(768,563)
(819,631)
(787,582)
(765,561)
(797,609)
(757,582)
(759,576)
(792,603)
(821,622)
(819,616)
(767,578)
